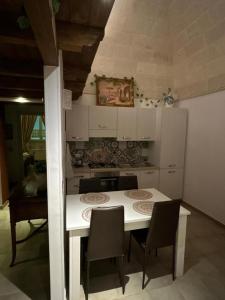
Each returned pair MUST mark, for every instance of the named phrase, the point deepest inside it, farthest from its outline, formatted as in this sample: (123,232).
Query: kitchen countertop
(121,168)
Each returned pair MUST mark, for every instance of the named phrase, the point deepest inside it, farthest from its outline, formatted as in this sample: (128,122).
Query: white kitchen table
(79,227)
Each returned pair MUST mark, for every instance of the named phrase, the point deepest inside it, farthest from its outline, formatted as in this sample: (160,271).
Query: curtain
(43,118)
(27,125)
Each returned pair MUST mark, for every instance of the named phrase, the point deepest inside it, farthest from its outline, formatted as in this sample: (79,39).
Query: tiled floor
(10,291)
(204,277)
(31,276)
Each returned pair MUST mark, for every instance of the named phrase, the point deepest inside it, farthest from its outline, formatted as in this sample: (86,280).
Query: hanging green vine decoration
(23,20)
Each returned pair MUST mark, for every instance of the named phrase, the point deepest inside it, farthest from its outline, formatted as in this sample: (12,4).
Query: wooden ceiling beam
(11,34)
(74,85)
(17,40)
(87,12)
(40,14)
(21,93)
(23,84)
(79,32)
(74,73)
(34,69)
(15,68)
(73,37)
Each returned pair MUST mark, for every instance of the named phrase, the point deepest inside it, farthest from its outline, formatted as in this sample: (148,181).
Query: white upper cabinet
(146,124)
(126,124)
(173,137)
(77,123)
(102,121)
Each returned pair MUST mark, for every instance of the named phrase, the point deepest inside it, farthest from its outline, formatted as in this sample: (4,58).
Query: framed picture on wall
(115,91)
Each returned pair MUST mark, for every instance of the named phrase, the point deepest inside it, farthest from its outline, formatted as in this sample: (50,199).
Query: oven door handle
(109,179)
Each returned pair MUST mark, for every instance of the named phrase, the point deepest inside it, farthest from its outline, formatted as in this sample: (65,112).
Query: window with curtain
(38,132)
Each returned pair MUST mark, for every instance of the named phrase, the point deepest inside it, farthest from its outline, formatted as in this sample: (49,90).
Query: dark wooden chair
(106,239)
(24,208)
(161,233)
(90,185)
(127,183)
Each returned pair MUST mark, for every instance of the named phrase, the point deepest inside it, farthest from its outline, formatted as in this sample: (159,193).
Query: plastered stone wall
(163,43)
(136,44)
(197,32)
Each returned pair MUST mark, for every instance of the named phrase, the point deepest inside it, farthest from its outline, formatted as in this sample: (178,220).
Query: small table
(78,227)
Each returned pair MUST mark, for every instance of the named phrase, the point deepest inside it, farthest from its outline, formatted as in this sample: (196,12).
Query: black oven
(108,180)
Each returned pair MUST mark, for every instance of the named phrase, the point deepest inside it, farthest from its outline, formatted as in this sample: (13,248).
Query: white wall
(197,32)
(136,44)
(204,186)
(54,120)
(1,200)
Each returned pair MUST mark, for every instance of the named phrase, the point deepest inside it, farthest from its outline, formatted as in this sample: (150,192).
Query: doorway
(30,273)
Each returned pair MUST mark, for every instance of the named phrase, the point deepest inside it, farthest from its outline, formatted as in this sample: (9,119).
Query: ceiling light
(21,100)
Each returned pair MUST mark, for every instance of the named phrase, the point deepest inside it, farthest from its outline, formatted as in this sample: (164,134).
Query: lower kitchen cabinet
(130,173)
(171,183)
(146,178)
(73,183)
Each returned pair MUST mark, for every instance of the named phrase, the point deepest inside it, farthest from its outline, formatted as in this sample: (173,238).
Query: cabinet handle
(102,126)
(81,176)
(76,186)
(76,137)
(150,172)
(146,138)
(170,172)
(126,138)
(172,165)
(130,174)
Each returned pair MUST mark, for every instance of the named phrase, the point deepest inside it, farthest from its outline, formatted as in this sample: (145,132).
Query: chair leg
(129,247)
(13,237)
(173,267)
(144,271)
(87,279)
(121,272)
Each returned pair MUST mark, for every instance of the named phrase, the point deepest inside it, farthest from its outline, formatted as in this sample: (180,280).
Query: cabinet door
(173,137)
(149,179)
(102,118)
(126,124)
(171,183)
(146,124)
(74,183)
(77,123)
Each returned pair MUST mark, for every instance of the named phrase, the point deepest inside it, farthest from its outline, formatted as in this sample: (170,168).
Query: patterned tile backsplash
(108,150)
